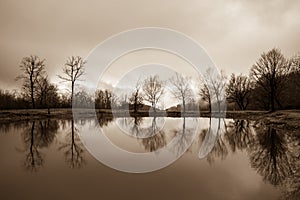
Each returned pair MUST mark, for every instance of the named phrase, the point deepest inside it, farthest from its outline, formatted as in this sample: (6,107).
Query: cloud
(234,32)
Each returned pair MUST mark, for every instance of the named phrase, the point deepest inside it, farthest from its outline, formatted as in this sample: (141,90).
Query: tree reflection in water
(73,148)
(239,135)
(150,135)
(6,127)
(134,124)
(182,137)
(270,155)
(155,142)
(219,149)
(153,138)
(104,120)
(40,134)
(292,186)
(292,182)
(273,152)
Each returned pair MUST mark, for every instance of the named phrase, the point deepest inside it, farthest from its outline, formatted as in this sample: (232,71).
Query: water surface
(46,160)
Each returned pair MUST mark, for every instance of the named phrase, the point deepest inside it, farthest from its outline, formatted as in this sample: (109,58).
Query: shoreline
(280,117)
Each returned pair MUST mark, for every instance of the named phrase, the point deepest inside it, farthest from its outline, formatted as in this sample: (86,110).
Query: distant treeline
(273,83)
(14,100)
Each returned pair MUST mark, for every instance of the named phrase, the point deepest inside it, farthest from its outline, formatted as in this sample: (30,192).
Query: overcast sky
(233,32)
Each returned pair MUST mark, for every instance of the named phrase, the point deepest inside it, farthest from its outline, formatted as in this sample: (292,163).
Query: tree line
(272,83)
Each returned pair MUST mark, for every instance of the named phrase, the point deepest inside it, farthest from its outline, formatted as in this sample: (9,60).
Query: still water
(249,160)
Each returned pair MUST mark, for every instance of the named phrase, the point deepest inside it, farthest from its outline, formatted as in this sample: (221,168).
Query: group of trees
(37,90)
(104,99)
(149,91)
(273,83)
(152,89)
(272,78)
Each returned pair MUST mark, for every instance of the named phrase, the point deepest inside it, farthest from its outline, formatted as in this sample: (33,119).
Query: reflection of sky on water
(250,158)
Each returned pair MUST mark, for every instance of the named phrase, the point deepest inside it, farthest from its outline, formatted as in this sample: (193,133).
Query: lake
(241,160)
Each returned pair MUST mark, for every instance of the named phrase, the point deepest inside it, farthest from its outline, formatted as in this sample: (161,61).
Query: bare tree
(181,89)
(33,69)
(153,89)
(238,90)
(73,70)
(213,90)
(270,73)
(136,98)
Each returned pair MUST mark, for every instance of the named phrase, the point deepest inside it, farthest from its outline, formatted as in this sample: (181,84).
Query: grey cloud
(233,32)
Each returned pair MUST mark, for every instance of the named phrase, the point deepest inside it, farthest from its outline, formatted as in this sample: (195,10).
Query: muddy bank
(285,119)
(34,114)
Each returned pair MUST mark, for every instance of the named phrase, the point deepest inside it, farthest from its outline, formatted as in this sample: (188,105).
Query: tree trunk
(272,99)
(135,103)
(32,94)
(183,104)
(72,92)
(153,106)
(209,105)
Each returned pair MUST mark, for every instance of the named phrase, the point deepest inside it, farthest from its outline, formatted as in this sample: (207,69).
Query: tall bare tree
(270,73)
(181,89)
(238,90)
(73,70)
(33,69)
(153,89)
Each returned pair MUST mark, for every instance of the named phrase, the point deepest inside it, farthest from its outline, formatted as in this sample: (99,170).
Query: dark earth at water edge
(284,118)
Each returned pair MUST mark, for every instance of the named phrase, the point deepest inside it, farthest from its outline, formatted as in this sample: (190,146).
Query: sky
(234,33)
